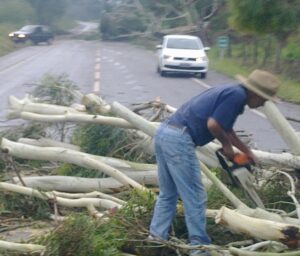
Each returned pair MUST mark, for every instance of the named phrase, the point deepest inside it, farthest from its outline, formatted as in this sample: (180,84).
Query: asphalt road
(124,73)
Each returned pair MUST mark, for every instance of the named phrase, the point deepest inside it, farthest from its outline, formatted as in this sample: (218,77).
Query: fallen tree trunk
(241,252)
(112,161)
(283,127)
(84,185)
(258,228)
(66,156)
(70,117)
(81,202)
(40,108)
(46,142)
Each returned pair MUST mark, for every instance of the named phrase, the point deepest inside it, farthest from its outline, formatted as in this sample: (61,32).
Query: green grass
(289,91)
(6,45)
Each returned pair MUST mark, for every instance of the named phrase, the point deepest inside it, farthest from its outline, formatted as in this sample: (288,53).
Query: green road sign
(223,41)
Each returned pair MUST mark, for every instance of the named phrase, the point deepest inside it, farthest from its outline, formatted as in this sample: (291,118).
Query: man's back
(222,103)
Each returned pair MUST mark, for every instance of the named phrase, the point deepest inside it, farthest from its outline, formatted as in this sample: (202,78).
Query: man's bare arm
(218,132)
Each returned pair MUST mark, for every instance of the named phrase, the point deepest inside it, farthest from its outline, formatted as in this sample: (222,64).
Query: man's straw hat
(262,83)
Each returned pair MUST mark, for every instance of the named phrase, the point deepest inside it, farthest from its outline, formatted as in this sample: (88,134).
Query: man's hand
(227,151)
(252,158)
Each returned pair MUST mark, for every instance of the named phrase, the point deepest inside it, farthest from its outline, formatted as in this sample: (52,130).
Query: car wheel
(34,42)
(158,69)
(50,41)
(203,75)
(163,73)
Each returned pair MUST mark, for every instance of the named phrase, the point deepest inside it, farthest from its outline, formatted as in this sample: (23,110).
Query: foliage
(24,206)
(31,130)
(289,90)
(81,235)
(15,12)
(47,12)
(113,26)
(108,141)
(266,17)
(84,9)
(263,17)
(58,90)
(292,50)
(77,171)
(72,237)
(274,193)
(5,44)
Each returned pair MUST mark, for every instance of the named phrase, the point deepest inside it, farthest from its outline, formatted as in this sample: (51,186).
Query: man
(207,116)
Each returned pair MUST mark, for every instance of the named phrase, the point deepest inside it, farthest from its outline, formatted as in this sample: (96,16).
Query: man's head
(261,86)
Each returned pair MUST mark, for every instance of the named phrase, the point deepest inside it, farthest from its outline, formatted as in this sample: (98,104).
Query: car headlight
(21,36)
(11,34)
(167,56)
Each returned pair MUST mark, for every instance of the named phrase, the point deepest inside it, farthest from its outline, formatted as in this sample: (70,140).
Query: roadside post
(222,42)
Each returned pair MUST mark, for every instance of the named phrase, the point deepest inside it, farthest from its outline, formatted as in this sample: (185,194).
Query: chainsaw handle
(239,159)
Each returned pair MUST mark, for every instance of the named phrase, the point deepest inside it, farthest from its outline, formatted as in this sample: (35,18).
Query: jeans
(178,176)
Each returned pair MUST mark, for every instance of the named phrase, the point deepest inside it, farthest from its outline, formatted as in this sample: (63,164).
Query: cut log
(240,252)
(258,228)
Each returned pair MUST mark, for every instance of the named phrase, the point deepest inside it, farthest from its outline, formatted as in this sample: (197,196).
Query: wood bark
(22,248)
(283,127)
(258,228)
(240,252)
(70,117)
(66,156)
(40,108)
(84,185)
(46,142)
(79,202)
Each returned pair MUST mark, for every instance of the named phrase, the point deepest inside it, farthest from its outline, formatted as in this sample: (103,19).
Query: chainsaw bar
(241,176)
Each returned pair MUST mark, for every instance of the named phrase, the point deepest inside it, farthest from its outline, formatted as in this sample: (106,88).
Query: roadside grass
(289,91)
(6,45)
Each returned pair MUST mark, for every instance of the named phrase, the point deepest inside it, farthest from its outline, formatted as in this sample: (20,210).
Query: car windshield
(29,28)
(184,43)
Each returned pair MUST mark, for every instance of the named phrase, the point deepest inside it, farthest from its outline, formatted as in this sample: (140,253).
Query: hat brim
(245,83)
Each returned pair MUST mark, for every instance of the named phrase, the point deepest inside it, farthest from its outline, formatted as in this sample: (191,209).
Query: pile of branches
(276,230)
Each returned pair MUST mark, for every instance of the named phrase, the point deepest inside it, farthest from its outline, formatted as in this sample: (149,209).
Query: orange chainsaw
(240,170)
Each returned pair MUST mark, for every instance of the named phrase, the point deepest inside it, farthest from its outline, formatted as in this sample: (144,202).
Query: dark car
(34,33)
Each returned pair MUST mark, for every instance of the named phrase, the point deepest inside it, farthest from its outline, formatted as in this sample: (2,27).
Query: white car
(182,53)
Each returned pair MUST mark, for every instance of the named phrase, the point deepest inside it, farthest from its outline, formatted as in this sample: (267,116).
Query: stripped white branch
(292,192)
(81,202)
(22,248)
(276,246)
(67,156)
(93,194)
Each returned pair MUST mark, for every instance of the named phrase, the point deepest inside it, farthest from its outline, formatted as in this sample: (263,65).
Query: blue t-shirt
(222,103)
